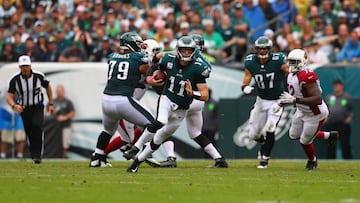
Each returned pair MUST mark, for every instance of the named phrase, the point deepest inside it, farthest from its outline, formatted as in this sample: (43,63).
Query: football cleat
(311,165)
(134,167)
(37,160)
(334,135)
(220,163)
(125,148)
(99,160)
(152,162)
(169,163)
(131,153)
(263,164)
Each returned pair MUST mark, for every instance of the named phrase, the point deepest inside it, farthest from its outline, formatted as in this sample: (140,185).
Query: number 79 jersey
(196,72)
(269,77)
(123,73)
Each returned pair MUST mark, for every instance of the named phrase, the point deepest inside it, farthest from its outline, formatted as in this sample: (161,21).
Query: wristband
(51,104)
(297,100)
(196,94)
(13,106)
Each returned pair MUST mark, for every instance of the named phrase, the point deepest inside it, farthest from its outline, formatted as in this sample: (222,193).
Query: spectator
(340,106)
(41,48)
(228,33)
(342,37)
(103,52)
(315,54)
(74,53)
(65,112)
(250,11)
(328,14)
(85,40)
(241,26)
(269,13)
(350,52)
(8,54)
(52,53)
(352,10)
(214,43)
(11,127)
(282,38)
(61,41)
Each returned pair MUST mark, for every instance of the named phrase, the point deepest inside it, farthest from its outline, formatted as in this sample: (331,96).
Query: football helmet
(262,43)
(183,44)
(296,60)
(199,40)
(130,41)
(150,48)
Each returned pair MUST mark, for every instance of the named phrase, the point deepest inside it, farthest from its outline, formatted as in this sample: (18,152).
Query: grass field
(284,181)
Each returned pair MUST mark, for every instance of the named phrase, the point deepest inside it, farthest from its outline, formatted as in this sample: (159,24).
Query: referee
(26,86)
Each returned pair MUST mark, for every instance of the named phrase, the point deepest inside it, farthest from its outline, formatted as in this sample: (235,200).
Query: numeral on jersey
(172,85)
(260,80)
(122,70)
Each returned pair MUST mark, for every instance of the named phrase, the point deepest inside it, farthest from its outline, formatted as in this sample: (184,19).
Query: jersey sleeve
(307,76)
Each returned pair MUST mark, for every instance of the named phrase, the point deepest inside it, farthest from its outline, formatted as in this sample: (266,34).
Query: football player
(184,72)
(311,111)
(269,71)
(124,71)
(194,119)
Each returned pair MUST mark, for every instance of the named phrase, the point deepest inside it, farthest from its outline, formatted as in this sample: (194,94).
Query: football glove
(248,89)
(286,98)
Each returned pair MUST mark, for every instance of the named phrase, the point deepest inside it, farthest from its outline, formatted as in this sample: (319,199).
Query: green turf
(192,181)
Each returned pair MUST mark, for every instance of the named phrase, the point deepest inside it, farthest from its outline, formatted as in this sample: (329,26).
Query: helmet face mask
(199,40)
(131,41)
(151,48)
(263,46)
(186,47)
(296,60)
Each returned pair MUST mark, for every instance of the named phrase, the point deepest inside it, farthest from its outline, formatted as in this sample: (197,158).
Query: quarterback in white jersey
(311,111)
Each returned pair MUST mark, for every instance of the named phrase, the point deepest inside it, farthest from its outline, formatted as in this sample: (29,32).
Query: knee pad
(154,126)
(202,140)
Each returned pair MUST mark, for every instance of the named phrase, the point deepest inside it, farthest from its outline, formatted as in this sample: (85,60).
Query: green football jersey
(124,73)
(200,56)
(196,72)
(269,78)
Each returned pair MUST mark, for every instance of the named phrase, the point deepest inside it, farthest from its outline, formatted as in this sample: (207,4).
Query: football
(160,75)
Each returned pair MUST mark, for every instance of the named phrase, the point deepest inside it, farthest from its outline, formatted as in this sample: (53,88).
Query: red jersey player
(311,111)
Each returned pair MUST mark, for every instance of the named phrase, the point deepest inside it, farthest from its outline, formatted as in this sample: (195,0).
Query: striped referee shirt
(28,91)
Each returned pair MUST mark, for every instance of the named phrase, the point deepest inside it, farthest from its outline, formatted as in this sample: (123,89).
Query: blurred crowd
(88,30)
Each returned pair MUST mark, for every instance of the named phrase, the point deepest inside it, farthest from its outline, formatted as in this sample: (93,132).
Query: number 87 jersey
(269,77)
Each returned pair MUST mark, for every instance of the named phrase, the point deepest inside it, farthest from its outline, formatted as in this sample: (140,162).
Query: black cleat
(37,160)
(334,135)
(169,163)
(130,154)
(125,148)
(99,160)
(220,163)
(311,165)
(134,167)
(263,163)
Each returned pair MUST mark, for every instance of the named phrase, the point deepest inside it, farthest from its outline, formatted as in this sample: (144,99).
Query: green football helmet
(263,43)
(130,41)
(184,43)
(199,40)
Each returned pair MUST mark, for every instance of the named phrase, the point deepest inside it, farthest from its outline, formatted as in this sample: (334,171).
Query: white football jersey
(295,84)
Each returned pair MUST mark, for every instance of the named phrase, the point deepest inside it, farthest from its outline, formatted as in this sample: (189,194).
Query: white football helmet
(151,47)
(296,60)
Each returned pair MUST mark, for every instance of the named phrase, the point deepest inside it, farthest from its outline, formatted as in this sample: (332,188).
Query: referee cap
(24,60)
